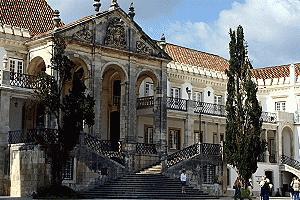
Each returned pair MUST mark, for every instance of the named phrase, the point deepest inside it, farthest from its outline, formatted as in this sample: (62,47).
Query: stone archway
(287,144)
(114,79)
(36,66)
(146,77)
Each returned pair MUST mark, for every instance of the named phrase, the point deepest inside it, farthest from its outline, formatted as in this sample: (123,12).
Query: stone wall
(28,170)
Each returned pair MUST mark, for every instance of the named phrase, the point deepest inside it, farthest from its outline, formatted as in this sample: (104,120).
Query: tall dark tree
(242,145)
(70,108)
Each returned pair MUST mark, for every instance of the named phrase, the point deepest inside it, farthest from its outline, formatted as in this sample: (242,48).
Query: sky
(271,27)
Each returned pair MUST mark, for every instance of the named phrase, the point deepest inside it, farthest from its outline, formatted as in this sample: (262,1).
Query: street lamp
(189,92)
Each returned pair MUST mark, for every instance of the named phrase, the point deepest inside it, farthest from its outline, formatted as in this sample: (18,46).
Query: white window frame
(148,135)
(198,96)
(16,65)
(280,106)
(176,92)
(148,89)
(174,139)
(218,99)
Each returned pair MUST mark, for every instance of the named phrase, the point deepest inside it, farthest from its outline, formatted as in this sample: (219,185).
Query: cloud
(145,9)
(271,29)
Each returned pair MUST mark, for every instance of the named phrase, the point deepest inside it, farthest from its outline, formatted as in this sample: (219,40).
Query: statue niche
(115,34)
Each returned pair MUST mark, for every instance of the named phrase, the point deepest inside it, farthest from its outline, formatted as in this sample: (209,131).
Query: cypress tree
(242,145)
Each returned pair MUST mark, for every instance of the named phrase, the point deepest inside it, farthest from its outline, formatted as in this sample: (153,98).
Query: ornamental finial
(56,19)
(131,12)
(114,4)
(97,5)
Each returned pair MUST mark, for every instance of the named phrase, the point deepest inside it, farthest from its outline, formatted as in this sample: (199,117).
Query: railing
(23,80)
(209,108)
(145,102)
(289,161)
(40,136)
(104,147)
(269,117)
(177,104)
(142,148)
(116,100)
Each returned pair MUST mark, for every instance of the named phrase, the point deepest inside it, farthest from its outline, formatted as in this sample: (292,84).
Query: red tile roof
(34,15)
(196,58)
(275,72)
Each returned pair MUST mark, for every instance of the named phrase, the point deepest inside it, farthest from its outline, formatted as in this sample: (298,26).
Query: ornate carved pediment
(84,34)
(141,47)
(115,33)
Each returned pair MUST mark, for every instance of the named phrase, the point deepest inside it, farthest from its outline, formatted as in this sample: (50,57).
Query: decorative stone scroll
(141,47)
(84,34)
(115,34)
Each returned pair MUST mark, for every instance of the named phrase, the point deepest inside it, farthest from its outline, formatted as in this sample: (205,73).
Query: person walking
(266,187)
(183,181)
(295,186)
(237,188)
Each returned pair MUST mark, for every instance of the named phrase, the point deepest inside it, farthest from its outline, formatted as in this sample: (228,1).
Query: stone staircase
(147,184)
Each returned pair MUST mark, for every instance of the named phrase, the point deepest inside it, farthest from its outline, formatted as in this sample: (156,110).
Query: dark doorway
(115,129)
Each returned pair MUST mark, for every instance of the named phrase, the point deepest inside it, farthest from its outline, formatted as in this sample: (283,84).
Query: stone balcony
(197,107)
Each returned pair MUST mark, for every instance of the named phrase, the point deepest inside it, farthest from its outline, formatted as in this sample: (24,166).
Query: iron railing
(143,148)
(40,136)
(176,104)
(23,80)
(116,100)
(209,108)
(106,148)
(289,161)
(269,117)
(203,149)
(145,102)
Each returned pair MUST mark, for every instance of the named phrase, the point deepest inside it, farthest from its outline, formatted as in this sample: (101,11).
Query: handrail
(145,102)
(177,104)
(203,149)
(39,135)
(23,80)
(290,162)
(143,148)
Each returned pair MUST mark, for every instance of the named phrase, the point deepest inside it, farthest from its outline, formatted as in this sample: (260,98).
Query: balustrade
(176,104)
(40,136)
(23,80)
(142,148)
(269,117)
(209,108)
(289,161)
(145,102)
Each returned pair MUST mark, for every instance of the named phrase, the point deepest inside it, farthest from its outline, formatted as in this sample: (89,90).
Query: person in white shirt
(183,181)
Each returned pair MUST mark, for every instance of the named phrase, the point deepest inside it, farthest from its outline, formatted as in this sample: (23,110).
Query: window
(198,137)
(67,172)
(280,106)
(148,89)
(16,65)
(222,137)
(209,173)
(218,99)
(174,139)
(197,96)
(148,137)
(175,92)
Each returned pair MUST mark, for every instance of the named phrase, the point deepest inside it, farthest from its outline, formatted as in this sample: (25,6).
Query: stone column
(205,134)
(124,111)
(132,98)
(98,97)
(267,150)
(188,125)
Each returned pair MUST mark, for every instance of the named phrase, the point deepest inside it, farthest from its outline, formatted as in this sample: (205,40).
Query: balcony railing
(23,80)
(176,104)
(209,108)
(269,117)
(116,100)
(142,148)
(41,136)
(145,102)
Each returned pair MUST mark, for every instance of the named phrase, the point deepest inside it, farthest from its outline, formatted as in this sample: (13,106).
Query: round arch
(144,74)
(36,65)
(287,141)
(112,67)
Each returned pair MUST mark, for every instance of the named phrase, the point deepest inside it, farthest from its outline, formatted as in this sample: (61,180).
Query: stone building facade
(154,103)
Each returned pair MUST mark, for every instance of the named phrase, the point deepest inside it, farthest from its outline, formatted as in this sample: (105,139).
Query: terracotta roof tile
(34,15)
(196,58)
(275,71)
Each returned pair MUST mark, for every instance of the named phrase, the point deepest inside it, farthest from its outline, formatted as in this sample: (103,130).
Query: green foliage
(242,144)
(71,108)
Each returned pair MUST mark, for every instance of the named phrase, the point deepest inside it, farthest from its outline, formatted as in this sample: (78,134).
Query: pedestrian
(249,186)
(266,187)
(295,186)
(216,187)
(183,181)
(237,188)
